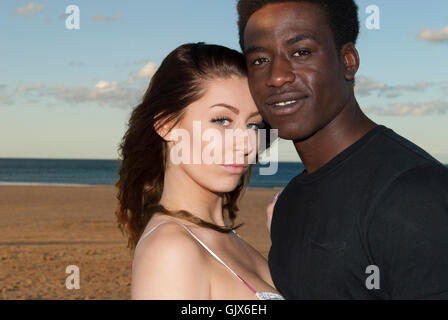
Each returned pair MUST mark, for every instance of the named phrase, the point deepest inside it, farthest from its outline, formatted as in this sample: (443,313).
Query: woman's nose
(246,143)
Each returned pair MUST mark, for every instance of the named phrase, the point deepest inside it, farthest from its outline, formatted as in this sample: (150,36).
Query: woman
(179,216)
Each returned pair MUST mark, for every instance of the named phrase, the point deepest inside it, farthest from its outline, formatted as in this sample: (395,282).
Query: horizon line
(99,159)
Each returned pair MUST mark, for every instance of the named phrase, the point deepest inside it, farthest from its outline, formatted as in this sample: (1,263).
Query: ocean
(105,172)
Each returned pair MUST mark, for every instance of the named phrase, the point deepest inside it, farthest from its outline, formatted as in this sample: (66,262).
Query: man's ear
(351,60)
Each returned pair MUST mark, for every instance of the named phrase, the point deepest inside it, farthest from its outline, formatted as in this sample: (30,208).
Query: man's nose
(280,73)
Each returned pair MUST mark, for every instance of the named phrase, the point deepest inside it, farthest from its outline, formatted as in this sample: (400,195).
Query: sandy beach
(44,229)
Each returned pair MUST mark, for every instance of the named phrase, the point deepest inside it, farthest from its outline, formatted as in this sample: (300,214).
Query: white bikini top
(260,295)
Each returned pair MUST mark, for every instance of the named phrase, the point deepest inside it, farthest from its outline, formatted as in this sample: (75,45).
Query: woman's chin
(225,184)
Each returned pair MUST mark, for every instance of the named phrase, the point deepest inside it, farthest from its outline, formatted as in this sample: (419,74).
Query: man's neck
(349,126)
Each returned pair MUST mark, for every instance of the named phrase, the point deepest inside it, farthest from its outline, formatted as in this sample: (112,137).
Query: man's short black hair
(342,16)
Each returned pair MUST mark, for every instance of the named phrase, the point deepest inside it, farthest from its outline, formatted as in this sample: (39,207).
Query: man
(368,217)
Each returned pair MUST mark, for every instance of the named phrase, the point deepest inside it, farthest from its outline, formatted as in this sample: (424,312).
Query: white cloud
(433,36)
(395,91)
(365,86)
(6,100)
(144,73)
(103,93)
(34,87)
(30,9)
(147,71)
(416,109)
(130,81)
(110,93)
(101,18)
(106,85)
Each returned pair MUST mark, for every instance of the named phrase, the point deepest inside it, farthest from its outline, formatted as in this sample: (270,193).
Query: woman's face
(216,139)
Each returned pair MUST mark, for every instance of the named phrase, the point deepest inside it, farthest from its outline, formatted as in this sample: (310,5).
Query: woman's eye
(256,126)
(260,61)
(302,53)
(222,121)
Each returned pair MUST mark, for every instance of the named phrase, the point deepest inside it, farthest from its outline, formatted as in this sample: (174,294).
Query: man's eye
(260,61)
(222,121)
(302,53)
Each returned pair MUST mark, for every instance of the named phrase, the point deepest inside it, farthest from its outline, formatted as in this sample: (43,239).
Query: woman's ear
(351,60)
(164,132)
(164,129)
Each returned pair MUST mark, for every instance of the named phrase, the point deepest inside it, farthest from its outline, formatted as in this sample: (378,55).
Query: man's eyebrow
(300,37)
(235,110)
(253,49)
(291,41)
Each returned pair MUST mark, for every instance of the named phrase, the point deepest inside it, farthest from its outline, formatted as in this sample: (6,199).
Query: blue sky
(68,93)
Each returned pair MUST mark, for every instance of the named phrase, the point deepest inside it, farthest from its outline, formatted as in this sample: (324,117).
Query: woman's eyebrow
(253,114)
(225,105)
(234,109)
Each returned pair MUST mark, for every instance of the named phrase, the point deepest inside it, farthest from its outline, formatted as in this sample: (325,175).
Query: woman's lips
(235,168)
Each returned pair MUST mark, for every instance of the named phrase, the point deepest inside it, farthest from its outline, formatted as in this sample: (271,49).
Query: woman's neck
(181,192)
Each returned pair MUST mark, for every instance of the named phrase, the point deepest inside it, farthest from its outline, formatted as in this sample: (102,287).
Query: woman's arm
(170,265)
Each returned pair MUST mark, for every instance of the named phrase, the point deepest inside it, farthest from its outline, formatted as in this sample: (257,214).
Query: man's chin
(288,134)
(293,133)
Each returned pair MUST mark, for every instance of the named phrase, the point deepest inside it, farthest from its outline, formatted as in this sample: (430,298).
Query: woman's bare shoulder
(169,264)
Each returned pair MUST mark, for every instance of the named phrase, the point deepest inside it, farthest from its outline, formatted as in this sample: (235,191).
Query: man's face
(296,75)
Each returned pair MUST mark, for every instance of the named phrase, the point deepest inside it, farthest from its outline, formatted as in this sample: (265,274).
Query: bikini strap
(204,246)
(147,234)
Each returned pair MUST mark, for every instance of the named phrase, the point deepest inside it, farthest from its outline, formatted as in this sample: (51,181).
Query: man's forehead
(284,36)
(273,12)
(283,21)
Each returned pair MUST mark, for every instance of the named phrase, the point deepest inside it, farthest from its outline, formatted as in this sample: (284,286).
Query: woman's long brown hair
(179,81)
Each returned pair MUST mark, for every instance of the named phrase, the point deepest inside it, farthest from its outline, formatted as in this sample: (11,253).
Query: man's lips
(285,99)
(285,104)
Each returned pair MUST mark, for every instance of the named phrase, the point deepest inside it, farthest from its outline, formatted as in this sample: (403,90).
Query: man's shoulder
(404,147)
(404,167)
(409,159)
(390,156)
(430,178)
(387,160)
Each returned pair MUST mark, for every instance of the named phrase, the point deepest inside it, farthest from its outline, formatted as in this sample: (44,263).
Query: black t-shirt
(370,224)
